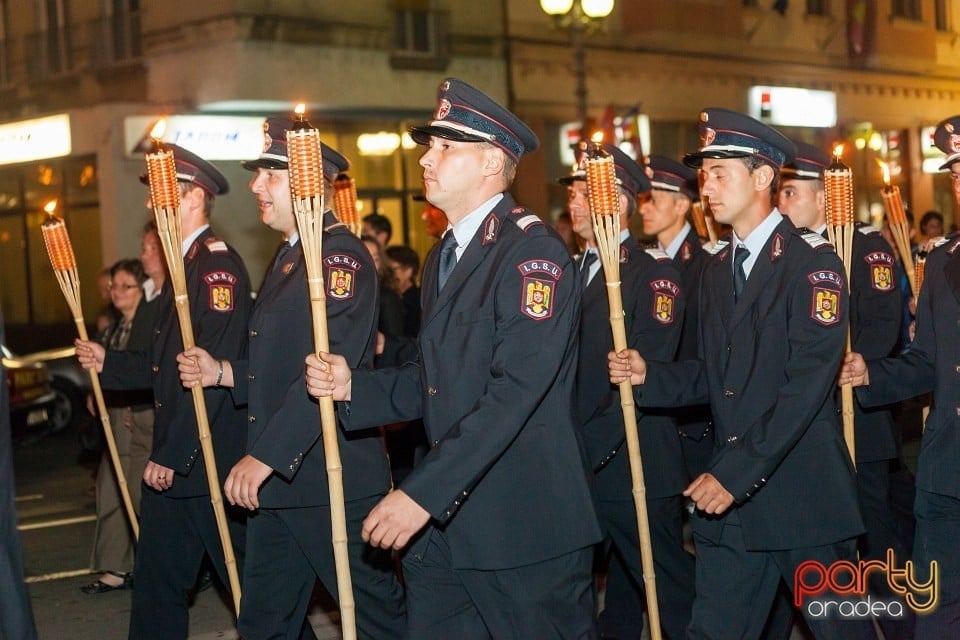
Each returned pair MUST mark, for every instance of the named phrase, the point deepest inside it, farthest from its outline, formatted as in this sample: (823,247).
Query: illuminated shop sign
(793,107)
(210,137)
(36,139)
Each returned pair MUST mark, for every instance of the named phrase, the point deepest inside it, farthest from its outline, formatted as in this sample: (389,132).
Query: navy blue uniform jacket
(284,421)
(653,314)
(505,476)
(218,288)
(768,366)
(930,364)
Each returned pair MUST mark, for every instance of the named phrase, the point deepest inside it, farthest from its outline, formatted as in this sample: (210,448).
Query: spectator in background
(405,265)
(154,264)
(931,225)
(391,306)
(377,226)
(131,417)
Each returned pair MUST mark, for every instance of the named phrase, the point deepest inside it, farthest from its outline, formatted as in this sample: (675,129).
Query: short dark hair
(930,215)
(379,223)
(752,163)
(405,256)
(133,266)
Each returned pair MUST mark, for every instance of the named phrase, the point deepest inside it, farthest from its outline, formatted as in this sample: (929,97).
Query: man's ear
(763,177)
(493,161)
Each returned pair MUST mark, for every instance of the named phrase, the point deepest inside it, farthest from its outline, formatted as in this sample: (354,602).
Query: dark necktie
(281,252)
(740,256)
(448,258)
(586,263)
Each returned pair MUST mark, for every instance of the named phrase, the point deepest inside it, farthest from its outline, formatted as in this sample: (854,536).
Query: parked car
(70,383)
(32,399)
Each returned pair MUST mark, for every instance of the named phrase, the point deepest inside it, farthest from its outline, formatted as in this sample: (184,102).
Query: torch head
(193,169)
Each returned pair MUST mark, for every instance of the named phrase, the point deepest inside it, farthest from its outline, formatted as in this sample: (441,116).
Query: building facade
(82,81)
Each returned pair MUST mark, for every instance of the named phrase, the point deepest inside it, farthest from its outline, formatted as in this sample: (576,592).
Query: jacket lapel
(473,256)
(763,269)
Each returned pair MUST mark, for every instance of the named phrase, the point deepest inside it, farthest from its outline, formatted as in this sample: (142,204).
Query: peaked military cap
(274,154)
(809,163)
(466,114)
(947,139)
(728,134)
(194,169)
(670,175)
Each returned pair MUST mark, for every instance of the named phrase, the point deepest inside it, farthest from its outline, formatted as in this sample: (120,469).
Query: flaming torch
(605,207)
(897,217)
(165,196)
(345,199)
(64,264)
(306,190)
(838,188)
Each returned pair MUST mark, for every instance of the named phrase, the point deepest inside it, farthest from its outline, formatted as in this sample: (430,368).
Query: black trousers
(549,600)
(938,538)
(736,587)
(673,564)
(288,549)
(175,533)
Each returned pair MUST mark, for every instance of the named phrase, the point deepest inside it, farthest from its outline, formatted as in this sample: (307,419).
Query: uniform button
(251,377)
(155,368)
(436,442)
(432,391)
(731,439)
(729,347)
(958,368)
(251,419)
(253,333)
(728,393)
(157,404)
(958,411)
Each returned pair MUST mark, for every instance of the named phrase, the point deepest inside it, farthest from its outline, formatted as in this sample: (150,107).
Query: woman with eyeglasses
(131,418)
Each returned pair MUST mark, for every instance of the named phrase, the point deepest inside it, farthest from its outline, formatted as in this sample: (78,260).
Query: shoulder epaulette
(215,245)
(867,229)
(658,254)
(941,241)
(524,219)
(813,239)
(717,248)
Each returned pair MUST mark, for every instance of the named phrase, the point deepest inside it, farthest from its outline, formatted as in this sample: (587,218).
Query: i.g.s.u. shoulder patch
(825,296)
(341,275)
(881,270)
(538,288)
(665,293)
(220,286)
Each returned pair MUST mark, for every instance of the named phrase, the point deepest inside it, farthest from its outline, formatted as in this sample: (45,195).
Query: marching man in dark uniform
(498,516)
(177,524)
(654,308)
(665,210)
(283,477)
(931,364)
(875,332)
(780,489)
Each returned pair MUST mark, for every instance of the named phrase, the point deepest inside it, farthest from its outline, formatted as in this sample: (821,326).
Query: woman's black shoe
(98,586)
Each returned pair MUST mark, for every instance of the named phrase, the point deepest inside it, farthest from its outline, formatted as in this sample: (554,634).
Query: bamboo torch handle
(617,325)
(331,448)
(108,436)
(209,458)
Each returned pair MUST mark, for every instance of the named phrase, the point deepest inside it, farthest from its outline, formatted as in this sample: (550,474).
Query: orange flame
(597,137)
(838,151)
(886,171)
(159,129)
(50,207)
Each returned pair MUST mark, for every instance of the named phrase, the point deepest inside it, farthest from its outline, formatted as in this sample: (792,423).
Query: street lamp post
(579,17)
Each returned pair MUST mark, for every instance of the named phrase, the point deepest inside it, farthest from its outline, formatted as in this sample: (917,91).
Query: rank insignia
(624,255)
(341,275)
(685,252)
(220,285)
(539,279)
(826,306)
(881,270)
(776,248)
(287,268)
(665,294)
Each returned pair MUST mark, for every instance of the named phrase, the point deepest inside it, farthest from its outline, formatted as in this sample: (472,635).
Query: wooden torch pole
(306,190)
(605,207)
(165,196)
